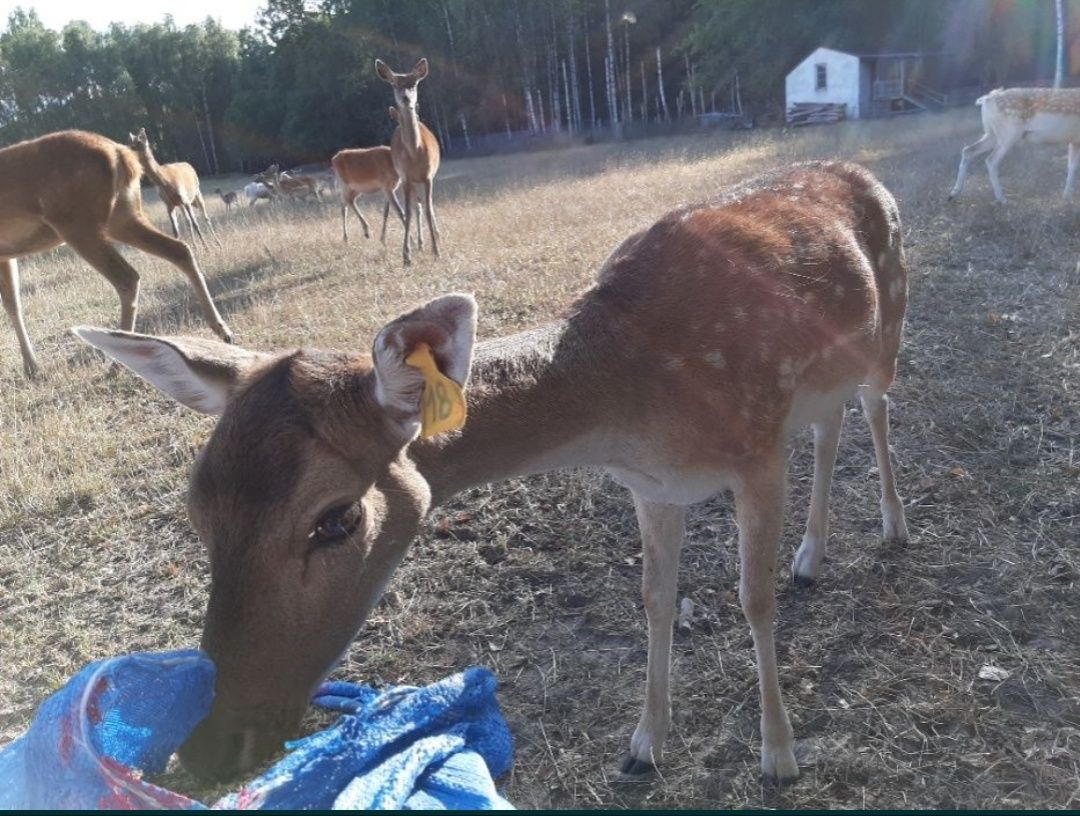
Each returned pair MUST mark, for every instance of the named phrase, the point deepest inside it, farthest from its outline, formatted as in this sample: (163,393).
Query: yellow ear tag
(443,404)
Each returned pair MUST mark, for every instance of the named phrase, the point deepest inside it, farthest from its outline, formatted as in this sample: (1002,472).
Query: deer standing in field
(229,198)
(366,170)
(1037,115)
(256,190)
(708,340)
(293,186)
(415,150)
(177,185)
(83,190)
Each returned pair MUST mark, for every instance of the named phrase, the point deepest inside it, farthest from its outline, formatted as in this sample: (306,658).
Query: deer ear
(448,326)
(420,70)
(383,70)
(131,136)
(201,374)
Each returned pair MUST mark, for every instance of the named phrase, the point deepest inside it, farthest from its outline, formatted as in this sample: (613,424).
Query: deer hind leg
(194,225)
(135,230)
(96,250)
(433,224)
(1004,145)
(406,255)
(175,224)
(759,508)
(876,407)
(811,553)
(984,145)
(662,529)
(1074,158)
(391,198)
(360,215)
(9,296)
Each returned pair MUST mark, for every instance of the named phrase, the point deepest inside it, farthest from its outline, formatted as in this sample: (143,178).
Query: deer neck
(152,169)
(409,122)
(534,406)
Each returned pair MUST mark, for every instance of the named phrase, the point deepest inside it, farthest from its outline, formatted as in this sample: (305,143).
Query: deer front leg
(984,145)
(1074,157)
(759,508)
(662,529)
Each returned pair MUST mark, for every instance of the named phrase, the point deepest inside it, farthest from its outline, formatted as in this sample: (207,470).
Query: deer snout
(222,747)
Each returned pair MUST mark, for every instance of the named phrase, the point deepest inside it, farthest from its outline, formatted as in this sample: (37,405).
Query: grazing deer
(177,185)
(366,170)
(83,190)
(1037,115)
(228,198)
(256,190)
(708,339)
(414,148)
(293,186)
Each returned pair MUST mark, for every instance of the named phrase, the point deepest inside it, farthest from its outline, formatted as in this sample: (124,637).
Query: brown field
(538,579)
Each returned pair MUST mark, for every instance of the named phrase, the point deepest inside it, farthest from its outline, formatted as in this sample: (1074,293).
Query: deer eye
(337,524)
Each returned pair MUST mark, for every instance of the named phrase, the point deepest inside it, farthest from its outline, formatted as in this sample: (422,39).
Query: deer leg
(433,225)
(408,221)
(759,508)
(391,198)
(662,529)
(419,220)
(194,225)
(984,145)
(201,204)
(175,223)
(1074,158)
(360,215)
(994,159)
(96,250)
(136,231)
(876,407)
(811,553)
(9,296)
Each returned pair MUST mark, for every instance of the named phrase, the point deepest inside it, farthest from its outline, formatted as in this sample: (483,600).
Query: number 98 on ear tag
(442,408)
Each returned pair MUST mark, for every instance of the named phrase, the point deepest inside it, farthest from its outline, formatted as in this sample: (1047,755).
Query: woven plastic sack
(117,720)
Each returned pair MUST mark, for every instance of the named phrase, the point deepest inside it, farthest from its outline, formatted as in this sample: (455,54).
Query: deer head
(305,501)
(404,85)
(139,141)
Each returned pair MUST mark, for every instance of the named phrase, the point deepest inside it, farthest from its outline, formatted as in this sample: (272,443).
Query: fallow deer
(83,190)
(228,199)
(256,190)
(708,339)
(177,185)
(366,170)
(285,185)
(414,148)
(1036,115)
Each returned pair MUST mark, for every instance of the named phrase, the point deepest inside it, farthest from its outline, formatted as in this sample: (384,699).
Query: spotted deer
(1036,115)
(81,189)
(707,340)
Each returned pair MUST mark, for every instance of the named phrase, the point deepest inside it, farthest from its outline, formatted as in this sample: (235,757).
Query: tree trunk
(530,112)
(613,89)
(588,69)
(210,133)
(506,113)
(1059,71)
(644,95)
(566,99)
(628,107)
(575,84)
(660,83)
(465,131)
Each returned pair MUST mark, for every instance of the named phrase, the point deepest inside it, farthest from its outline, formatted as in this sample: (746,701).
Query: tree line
(298,84)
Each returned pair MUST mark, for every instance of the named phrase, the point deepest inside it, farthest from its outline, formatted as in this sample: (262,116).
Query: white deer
(1038,115)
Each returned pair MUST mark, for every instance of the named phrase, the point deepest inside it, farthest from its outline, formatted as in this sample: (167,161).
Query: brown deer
(177,185)
(414,148)
(228,199)
(293,186)
(366,170)
(708,339)
(83,190)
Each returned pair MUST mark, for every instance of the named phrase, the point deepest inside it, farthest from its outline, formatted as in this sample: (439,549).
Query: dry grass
(879,662)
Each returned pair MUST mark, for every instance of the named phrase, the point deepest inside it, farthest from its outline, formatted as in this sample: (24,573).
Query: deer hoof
(635,767)
(802,581)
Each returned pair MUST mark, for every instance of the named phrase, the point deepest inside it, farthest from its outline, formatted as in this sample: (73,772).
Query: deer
(292,186)
(1037,115)
(177,185)
(256,190)
(414,148)
(82,189)
(229,198)
(708,339)
(366,170)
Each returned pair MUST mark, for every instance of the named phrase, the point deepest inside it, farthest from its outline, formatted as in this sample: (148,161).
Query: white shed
(867,84)
(831,77)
